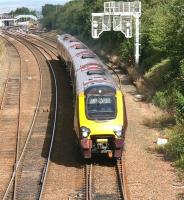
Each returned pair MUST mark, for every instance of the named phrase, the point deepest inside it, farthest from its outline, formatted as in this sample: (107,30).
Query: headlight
(118,130)
(84,131)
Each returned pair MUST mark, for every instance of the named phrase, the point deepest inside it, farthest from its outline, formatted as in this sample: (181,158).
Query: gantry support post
(137,40)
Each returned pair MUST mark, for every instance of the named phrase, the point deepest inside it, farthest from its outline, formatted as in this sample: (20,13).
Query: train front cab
(100,121)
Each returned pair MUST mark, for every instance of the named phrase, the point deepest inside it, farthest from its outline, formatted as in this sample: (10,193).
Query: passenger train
(100,115)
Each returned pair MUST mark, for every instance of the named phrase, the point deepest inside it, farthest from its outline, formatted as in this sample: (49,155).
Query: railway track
(120,186)
(31,37)
(88,181)
(11,102)
(29,172)
(85,174)
(105,181)
(50,37)
(39,43)
(24,138)
(52,40)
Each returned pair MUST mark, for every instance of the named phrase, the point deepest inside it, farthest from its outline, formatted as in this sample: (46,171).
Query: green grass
(167,94)
(174,150)
(158,69)
(157,74)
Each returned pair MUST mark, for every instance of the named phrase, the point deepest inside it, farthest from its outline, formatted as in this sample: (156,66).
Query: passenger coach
(100,114)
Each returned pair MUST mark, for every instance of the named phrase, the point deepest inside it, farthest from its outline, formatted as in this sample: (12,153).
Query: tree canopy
(23,11)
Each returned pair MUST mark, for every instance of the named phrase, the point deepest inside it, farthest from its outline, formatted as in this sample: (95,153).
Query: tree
(23,11)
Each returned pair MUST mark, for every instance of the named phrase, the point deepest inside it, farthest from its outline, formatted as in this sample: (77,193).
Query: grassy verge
(164,89)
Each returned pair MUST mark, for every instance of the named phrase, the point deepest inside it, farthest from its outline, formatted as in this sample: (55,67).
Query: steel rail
(19,118)
(45,170)
(19,105)
(121,181)
(120,178)
(41,41)
(34,43)
(46,37)
(53,41)
(126,191)
(121,171)
(88,181)
(34,38)
(18,128)
(27,140)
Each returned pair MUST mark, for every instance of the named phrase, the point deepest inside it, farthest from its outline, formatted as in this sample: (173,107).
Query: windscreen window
(101,107)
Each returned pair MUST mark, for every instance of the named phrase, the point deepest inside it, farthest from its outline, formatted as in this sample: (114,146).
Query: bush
(127,50)
(171,100)
(180,107)
(161,99)
(175,148)
(180,162)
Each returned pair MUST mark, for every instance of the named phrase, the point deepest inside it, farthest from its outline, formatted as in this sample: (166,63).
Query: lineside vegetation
(162,53)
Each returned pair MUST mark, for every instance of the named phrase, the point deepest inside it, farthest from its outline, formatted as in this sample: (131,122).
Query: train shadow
(65,148)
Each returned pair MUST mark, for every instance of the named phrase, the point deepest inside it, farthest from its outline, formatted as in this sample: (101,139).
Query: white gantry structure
(119,16)
(20,20)
(6,20)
